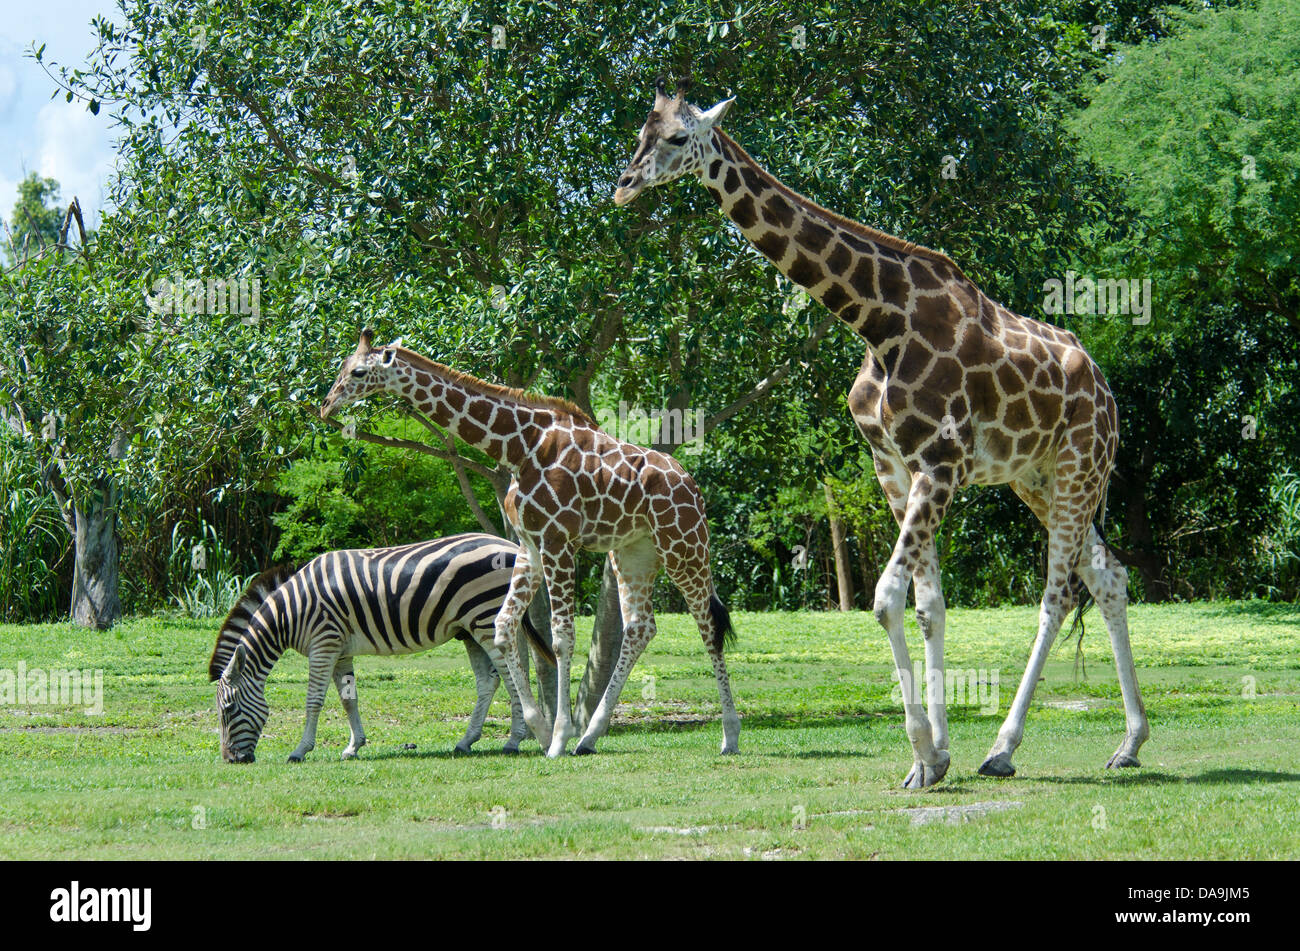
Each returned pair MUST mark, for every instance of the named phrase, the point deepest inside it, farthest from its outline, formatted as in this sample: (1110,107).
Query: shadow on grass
(1213,777)
(1267,612)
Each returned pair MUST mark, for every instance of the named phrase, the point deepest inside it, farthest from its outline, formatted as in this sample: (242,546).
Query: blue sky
(49,136)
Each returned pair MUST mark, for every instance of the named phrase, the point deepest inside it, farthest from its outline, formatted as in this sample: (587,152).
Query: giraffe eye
(359,372)
(678,139)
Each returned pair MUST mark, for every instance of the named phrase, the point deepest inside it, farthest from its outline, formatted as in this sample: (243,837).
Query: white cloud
(72,148)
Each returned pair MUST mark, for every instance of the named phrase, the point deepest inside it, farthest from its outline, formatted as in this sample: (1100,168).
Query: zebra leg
(501,664)
(485,683)
(324,655)
(346,683)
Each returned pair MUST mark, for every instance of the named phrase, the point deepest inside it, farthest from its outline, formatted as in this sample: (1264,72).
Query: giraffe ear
(713,116)
(388,356)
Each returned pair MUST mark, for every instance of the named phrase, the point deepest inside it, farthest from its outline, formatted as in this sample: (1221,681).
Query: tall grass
(34,543)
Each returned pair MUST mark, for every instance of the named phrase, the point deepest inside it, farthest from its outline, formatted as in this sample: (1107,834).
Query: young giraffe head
(368,370)
(675,140)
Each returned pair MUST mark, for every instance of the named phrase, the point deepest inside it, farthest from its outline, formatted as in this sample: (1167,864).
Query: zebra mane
(235,625)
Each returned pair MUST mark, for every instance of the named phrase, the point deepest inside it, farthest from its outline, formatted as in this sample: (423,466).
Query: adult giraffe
(955,390)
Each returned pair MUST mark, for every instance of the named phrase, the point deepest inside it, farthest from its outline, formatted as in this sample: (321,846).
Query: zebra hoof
(581,750)
(295,758)
(460,750)
(1122,761)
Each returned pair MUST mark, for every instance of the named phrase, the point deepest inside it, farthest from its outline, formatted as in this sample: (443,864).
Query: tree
(1202,129)
(36,217)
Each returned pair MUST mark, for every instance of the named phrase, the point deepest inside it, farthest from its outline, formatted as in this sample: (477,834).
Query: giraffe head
(367,370)
(675,140)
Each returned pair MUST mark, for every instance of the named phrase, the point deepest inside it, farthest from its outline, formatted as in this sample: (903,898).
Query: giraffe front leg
(524,582)
(921,518)
(931,615)
(324,656)
(559,570)
(345,681)
(485,686)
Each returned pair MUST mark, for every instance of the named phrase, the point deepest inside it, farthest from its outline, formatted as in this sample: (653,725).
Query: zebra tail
(539,642)
(235,625)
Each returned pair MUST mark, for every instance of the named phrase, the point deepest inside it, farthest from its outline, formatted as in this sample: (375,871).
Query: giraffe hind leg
(1107,581)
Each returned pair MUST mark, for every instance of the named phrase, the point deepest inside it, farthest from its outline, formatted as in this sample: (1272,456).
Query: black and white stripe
(365,601)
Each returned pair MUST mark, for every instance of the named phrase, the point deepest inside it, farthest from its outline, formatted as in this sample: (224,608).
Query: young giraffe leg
(920,520)
(1109,587)
(524,582)
(485,684)
(559,569)
(324,655)
(345,681)
(635,567)
(1067,527)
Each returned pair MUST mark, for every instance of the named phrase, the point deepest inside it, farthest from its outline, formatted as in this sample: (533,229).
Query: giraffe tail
(724,634)
(1081,592)
(538,641)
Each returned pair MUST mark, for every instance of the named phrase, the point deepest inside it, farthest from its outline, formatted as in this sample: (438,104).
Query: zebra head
(366,371)
(241,708)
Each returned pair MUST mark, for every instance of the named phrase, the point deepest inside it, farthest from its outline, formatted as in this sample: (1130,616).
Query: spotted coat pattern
(574,487)
(955,390)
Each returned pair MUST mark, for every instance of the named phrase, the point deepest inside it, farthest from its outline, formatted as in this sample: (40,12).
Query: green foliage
(201,573)
(33,540)
(368,496)
(36,217)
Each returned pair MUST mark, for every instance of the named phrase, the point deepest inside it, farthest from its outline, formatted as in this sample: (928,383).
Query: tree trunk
(95,601)
(840,546)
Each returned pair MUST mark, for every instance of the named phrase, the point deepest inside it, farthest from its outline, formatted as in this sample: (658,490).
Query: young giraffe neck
(869,279)
(501,422)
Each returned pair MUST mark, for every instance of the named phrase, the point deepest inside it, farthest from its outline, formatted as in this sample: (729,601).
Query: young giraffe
(574,486)
(955,390)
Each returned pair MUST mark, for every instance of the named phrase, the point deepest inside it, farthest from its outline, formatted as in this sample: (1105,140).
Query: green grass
(821,739)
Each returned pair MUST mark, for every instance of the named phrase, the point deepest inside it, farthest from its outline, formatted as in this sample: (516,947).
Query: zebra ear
(235,669)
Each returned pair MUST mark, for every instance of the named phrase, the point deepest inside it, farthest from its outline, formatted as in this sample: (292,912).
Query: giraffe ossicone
(955,390)
(574,486)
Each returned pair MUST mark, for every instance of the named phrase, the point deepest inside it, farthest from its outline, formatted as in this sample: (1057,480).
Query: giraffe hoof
(1122,761)
(998,765)
(460,749)
(582,750)
(922,775)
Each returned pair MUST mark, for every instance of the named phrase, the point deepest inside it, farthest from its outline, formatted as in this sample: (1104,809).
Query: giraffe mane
(552,404)
(848,224)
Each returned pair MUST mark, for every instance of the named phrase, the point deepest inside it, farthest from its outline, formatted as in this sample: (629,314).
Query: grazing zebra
(367,601)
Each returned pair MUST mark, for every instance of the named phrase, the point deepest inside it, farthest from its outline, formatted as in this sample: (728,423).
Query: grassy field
(822,752)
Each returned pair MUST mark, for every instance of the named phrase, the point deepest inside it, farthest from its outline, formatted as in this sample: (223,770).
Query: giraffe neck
(871,280)
(488,417)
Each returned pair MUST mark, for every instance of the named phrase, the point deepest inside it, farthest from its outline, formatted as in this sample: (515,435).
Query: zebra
(383,601)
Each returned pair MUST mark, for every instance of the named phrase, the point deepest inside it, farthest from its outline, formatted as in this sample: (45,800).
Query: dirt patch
(954,815)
